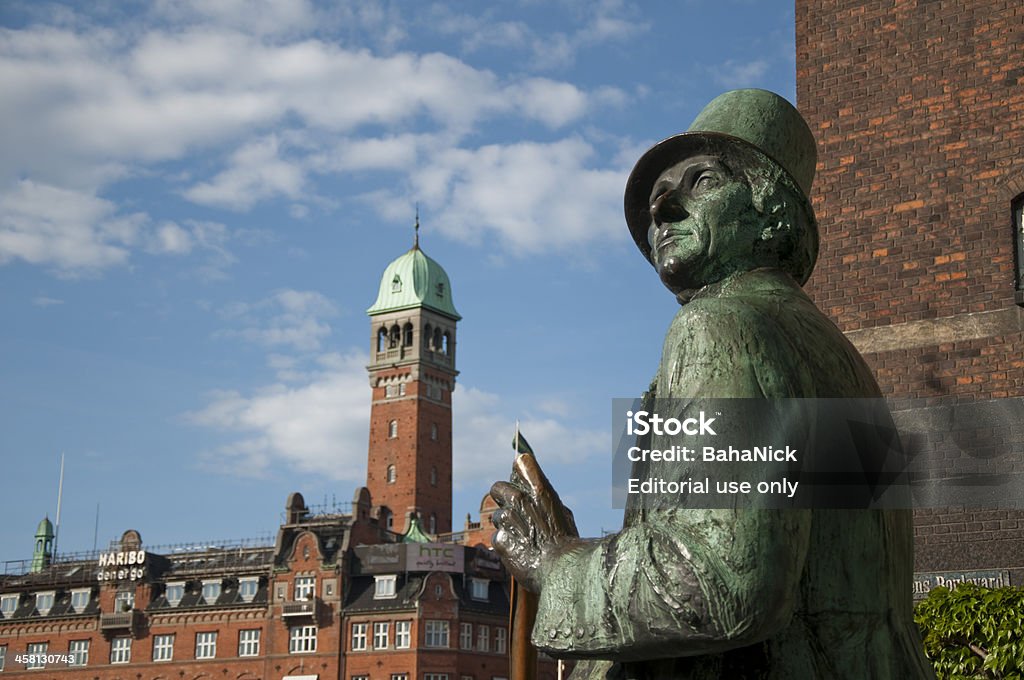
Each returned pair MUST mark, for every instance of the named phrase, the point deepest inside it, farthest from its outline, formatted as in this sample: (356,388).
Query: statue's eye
(705,181)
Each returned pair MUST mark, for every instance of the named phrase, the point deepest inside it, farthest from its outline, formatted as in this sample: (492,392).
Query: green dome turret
(414,280)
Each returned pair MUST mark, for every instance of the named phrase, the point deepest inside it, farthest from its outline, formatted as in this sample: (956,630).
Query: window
(478,588)
(394,336)
(302,639)
(401,390)
(249,642)
(432,529)
(36,652)
(121,649)
(79,600)
(403,637)
(500,640)
(247,588)
(466,636)
(163,647)
(358,637)
(3,656)
(436,634)
(44,602)
(78,650)
(211,591)
(465,677)
(483,639)
(206,645)
(396,284)
(392,429)
(407,335)
(433,475)
(8,605)
(384,587)
(392,474)
(360,677)
(391,391)
(399,676)
(435,676)
(440,290)
(124,601)
(174,593)
(380,634)
(433,432)
(305,587)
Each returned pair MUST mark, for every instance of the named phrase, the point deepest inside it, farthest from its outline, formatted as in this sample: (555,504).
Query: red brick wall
(918,111)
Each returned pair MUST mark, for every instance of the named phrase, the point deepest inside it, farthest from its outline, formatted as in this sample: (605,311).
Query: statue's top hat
(753,120)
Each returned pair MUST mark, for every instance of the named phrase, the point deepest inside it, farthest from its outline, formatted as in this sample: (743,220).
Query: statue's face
(703,224)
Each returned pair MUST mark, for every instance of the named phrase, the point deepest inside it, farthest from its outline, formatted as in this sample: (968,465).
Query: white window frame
(358,637)
(209,588)
(121,649)
(167,591)
(244,584)
(36,652)
(403,634)
(3,656)
(163,647)
(399,676)
(305,588)
(302,639)
(435,676)
(122,597)
(483,639)
(381,634)
(436,634)
(500,640)
(206,645)
(392,429)
(249,642)
(78,652)
(44,601)
(465,636)
(478,588)
(8,605)
(78,594)
(385,587)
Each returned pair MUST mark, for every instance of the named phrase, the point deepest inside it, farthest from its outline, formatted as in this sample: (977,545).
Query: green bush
(974,632)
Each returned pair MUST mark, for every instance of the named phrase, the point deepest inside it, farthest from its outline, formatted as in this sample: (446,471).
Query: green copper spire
(44,544)
(415,533)
(414,280)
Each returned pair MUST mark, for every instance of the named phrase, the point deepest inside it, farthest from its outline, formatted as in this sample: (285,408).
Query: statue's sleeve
(684,581)
(678,582)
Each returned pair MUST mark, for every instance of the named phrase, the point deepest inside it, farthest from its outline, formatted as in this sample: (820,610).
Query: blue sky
(197,201)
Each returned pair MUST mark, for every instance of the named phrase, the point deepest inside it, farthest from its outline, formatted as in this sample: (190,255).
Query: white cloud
(535,197)
(737,74)
(320,427)
(69,230)
(256,171)
(288,318)
(46,301)
(483,433)
(262,17)
(172,239)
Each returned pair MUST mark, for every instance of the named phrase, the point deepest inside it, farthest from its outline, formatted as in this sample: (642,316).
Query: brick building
(918,110)
(379,590)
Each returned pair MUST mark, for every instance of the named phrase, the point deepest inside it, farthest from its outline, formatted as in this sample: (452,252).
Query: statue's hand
(532,521)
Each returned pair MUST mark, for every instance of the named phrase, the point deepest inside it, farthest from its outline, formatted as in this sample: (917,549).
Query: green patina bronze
(722,213)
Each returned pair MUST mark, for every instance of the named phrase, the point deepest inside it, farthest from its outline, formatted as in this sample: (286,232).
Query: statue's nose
(668,208)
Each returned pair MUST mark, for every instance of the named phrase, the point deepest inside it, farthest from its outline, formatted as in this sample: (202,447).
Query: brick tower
(918,109)
(412,374)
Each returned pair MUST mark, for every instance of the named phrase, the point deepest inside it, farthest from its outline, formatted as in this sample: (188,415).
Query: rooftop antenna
(96,528)
(416,243)
(60,492)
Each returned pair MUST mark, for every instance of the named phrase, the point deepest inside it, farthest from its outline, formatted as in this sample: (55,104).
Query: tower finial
(416,242)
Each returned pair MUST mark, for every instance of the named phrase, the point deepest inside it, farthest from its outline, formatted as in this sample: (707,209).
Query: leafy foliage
(974,632)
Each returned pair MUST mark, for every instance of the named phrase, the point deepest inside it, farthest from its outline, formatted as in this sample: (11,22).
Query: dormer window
(384,587)
(247,588)
(174,592)
(440,290)
(8,605)
(396,284)
(478,588)
(211,591)
(44,602)
(80,600)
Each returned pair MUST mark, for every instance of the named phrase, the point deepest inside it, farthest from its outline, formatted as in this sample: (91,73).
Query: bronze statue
(722,213)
